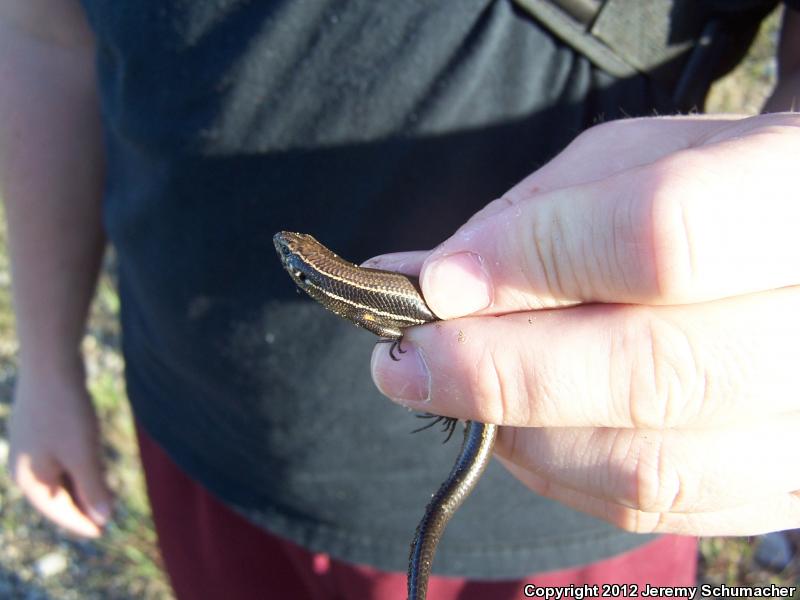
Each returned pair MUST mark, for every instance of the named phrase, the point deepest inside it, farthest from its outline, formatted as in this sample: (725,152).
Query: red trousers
(210,552)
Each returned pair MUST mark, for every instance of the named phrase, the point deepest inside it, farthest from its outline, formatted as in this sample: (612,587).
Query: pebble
(774,551)
(51,564)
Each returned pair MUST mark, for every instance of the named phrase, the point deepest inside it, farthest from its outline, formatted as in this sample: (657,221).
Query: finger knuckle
(636,521)
(13,471)
(656,478)
(545,257)
(14,467)
(671,186)
(601,134)
(668,378)
(785,126)
(496,388)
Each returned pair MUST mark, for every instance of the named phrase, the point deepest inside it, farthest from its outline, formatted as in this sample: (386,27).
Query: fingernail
(457,285)
(100,513)
(404,380)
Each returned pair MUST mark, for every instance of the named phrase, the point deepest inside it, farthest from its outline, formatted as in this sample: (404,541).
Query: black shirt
(375,127)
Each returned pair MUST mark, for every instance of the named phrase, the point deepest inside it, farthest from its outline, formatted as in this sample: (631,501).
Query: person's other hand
(54,450)
(632,315)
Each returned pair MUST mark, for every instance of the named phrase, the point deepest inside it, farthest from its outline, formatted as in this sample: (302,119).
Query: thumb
(676,225)
(87,478)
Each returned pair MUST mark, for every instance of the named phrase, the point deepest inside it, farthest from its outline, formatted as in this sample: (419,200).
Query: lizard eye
(301,277)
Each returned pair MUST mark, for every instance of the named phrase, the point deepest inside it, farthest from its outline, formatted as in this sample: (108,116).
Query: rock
(50,564)
(774,551)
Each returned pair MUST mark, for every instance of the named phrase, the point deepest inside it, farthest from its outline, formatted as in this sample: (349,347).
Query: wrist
(53,361)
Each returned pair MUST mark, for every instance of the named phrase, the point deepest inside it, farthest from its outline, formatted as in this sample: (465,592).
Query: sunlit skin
(633,324)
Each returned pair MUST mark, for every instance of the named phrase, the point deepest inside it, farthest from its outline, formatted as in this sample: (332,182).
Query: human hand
(54,450)
(662,395)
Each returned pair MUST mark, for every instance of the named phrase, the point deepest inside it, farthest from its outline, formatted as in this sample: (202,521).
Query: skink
(385,303)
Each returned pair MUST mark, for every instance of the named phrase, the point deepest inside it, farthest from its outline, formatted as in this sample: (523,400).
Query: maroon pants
(210,552)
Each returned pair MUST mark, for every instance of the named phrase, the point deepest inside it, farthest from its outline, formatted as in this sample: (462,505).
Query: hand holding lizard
(630,313)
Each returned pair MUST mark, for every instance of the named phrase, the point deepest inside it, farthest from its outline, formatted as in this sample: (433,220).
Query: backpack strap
(682,45)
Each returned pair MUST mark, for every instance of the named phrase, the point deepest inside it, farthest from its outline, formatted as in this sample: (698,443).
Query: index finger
(711,214)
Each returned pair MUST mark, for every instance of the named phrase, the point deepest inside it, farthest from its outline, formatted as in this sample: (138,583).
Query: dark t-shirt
(375,127)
